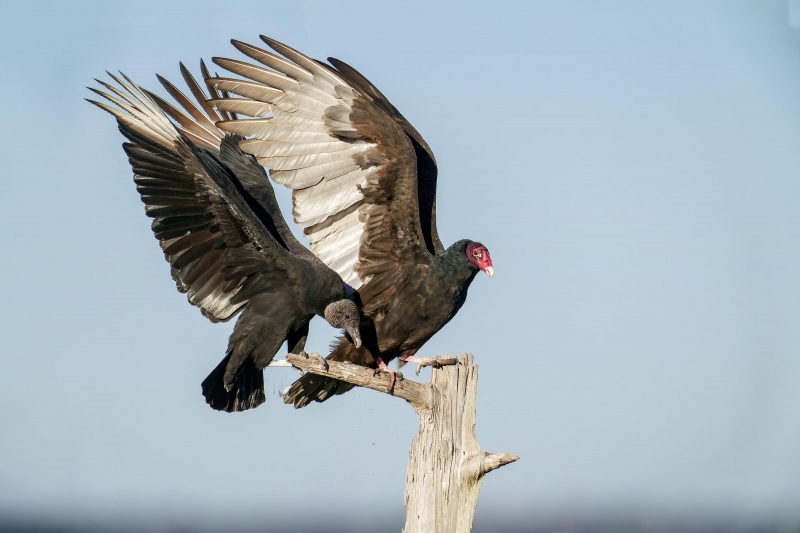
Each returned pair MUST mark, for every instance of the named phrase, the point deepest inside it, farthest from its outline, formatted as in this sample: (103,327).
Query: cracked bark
(446,465)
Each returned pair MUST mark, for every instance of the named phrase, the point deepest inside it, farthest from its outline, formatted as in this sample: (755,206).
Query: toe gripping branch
(446,464)
(438,362)
(418,394)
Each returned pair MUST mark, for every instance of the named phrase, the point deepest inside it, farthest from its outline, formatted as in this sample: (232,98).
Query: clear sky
(633,167)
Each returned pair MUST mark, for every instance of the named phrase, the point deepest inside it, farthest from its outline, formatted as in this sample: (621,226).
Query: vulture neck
(456,266)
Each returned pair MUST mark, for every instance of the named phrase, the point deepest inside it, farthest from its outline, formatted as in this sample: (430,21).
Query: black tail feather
(247,391)
(312,387)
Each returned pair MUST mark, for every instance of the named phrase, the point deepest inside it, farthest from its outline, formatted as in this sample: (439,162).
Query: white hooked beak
(489,271)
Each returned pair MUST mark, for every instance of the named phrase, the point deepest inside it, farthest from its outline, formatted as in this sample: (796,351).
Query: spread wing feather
(349,156)
(222,247)
(427,171)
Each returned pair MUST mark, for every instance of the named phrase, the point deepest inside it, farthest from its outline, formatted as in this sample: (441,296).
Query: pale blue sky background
(633,167)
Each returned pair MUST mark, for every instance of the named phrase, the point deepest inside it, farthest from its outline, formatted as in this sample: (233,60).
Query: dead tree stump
(446,464)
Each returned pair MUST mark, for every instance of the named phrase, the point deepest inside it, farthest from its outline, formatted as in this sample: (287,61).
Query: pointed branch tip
(493,461)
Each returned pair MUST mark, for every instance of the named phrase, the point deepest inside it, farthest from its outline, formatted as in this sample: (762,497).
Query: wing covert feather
(346,153)
(222,247)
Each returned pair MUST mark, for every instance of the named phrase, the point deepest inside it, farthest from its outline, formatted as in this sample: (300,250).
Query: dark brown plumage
(219,225)
(364,184)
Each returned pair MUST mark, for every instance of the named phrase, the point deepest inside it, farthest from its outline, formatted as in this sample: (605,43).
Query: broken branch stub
(446,465)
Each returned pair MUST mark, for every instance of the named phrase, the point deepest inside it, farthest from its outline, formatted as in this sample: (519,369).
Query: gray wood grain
(446,465)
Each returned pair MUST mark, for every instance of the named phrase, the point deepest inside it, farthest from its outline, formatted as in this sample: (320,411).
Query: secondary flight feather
(216,218)
(364,192)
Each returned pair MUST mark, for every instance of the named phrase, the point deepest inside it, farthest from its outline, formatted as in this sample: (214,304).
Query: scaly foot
(393,374)
(425,361)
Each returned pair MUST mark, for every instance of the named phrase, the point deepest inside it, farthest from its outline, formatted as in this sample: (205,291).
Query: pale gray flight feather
(312,145)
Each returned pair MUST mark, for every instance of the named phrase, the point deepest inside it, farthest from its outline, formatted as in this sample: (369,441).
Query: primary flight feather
(364,192)
(216,218)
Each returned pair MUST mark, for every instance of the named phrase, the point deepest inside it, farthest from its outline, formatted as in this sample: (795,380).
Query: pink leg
(392,373)
(425,361)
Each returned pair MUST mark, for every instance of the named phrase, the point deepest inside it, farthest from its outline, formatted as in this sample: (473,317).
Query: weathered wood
(446,464)
(418,394)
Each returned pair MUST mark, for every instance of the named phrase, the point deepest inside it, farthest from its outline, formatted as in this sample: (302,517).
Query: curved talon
(392,373)
(439,362)
(394,376)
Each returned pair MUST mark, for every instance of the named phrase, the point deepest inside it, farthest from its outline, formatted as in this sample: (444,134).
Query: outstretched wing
(342,148)
(427,170)
(200,128)
(223,246)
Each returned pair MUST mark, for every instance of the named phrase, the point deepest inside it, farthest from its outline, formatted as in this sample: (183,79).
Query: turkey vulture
(219,225)
(364,191)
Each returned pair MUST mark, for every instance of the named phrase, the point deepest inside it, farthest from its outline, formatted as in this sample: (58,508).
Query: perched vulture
(215,215)
(364,191)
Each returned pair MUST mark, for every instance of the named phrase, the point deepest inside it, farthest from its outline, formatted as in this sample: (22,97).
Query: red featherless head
(478,255)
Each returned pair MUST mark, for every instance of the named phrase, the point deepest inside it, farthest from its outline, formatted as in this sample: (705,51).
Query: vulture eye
(477,255)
